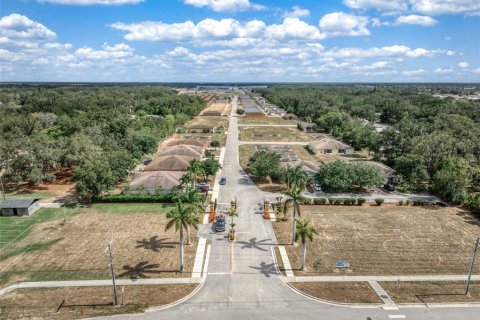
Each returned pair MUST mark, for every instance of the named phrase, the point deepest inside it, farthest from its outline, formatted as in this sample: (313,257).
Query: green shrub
(361,201)
(351,201)
(408,202)
(319,201)
(400,202)
(113,198)
(331,200)
(338,201)
(420,203)
(379,201)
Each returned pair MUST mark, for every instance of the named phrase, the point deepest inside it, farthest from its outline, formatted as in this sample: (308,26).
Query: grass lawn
(341,292)
(86,302)
(279,134)
(267,120)
(26,194)
(432,292)
(72,248)
(387,240)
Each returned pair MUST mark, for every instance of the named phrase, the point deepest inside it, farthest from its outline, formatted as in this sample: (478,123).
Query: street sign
(342,264)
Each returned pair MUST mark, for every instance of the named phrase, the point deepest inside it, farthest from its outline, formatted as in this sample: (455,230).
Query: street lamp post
(108,251)
(467,287)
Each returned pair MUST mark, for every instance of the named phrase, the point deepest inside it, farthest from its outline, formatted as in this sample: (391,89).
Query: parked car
(389,187)
(147,161)
(316,187)
(204,188)
(220,224)
(223,181)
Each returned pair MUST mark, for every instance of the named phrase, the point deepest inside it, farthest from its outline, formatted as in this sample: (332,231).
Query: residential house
(151,182)
(330,146)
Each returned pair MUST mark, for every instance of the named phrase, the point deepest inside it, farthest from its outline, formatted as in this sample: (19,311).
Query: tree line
(432,143)
(98,132)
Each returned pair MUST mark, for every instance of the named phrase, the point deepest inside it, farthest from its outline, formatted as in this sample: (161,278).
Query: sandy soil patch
(74,248)
(387,240)
(82,302)
(432,292)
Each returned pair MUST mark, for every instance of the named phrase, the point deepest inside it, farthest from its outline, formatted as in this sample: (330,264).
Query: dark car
(220,224)
(147,161)
(223,181)
(389,187)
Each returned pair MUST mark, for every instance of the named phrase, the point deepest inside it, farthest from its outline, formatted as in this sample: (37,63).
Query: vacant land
(208,122)
(82,302)
(341,292)
(387,240)
(278,134)
(432,292)
(267,120)
(73,247)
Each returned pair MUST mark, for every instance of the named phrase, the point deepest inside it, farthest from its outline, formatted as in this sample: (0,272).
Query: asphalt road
(242,282)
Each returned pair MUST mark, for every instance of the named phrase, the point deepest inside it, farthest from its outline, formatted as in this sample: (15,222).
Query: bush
(408,202)
(338,201)
(113,198)
(331,200)
(350,201)
(420,203)
(379,201)
(361,201)
(400,203)
(309,149)
(322,201)
(240,111)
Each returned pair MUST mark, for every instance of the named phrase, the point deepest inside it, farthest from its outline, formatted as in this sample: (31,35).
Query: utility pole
(467,287)
(1,186)
(110,256)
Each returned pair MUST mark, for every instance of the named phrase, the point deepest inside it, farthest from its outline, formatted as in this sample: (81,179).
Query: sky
(240,40)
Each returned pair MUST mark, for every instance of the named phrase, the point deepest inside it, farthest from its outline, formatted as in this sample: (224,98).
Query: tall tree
(296,177)
(196,170)
(305,231)
(452,180)
(294,198)
(180,218)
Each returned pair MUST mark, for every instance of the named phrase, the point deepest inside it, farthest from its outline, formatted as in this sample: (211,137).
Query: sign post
(467,287)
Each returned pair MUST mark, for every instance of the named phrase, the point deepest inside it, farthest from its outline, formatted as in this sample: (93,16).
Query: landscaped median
(339,292)
(81,302)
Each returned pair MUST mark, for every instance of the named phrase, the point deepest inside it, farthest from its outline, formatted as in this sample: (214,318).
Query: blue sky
(240,40)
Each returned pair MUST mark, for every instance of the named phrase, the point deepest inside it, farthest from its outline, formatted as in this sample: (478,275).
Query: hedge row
(415,203)
(168,197)
(337,201)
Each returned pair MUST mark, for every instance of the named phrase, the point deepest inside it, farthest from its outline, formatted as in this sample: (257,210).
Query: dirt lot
(387,240)
(267,120)
(342,292)
(432,292)
(73,248)
(285,134)
(208,122)
(82,302)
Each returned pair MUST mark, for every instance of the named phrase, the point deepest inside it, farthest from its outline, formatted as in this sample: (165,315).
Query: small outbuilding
(20,207)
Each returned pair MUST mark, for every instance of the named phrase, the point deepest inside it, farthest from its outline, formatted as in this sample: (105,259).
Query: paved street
(242,281)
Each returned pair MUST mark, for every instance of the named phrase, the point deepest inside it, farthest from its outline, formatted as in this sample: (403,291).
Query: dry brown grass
(279,134)
(208,122)
(267,120)
(82,302)
(142,248)
(387,240)
(432,292)
(341,292)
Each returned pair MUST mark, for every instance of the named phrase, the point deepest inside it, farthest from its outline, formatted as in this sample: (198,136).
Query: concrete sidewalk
(404,278)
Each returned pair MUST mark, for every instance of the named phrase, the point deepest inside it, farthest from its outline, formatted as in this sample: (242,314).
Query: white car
(316,187)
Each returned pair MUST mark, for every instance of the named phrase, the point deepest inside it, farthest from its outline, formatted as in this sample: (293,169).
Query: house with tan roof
(183,150)
(329,146)
(190,142)
(151,182)
(169,163)
(310,167)
(389,175)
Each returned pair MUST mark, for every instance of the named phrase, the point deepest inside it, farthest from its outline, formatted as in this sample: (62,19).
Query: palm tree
(232,213)
(187,178)
(295,197)
(196,170)
(181,218)
(305,231)
(296,177)
(194,199)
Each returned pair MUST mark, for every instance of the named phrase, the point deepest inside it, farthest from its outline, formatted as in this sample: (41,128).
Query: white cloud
(17,27)
(383,5)
(92,2)
(224,5)
(443,71)
(389,51)
(437,7)
(477,70)
(109,52)
(463,64)
(411,73)
(297,12)
(343,24)
(425,21)
(293,28)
